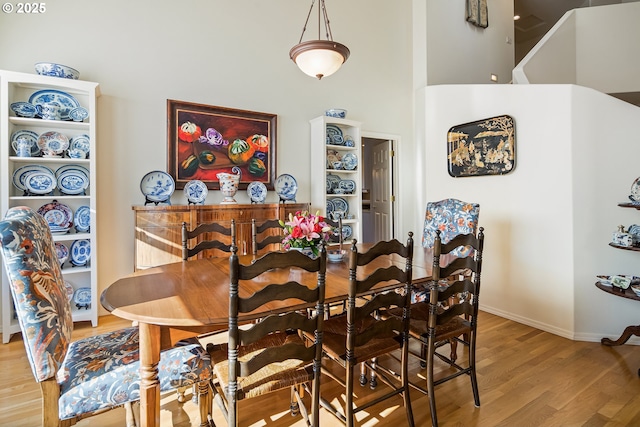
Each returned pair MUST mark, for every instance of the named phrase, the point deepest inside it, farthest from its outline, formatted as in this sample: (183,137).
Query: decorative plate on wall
(484,147)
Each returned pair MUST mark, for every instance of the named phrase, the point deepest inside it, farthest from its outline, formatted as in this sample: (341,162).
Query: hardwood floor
(526,378)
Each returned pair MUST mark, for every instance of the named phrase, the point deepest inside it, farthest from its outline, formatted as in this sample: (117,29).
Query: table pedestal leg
(628,332)
(149,382)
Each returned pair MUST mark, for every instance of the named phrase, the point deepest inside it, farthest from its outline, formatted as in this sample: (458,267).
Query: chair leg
(363,374)
(130,419)
(430,391)
(373,380)
(293,405)
(180,391)
(204,403)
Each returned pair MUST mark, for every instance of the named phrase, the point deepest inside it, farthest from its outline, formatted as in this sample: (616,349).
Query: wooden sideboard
(158,235)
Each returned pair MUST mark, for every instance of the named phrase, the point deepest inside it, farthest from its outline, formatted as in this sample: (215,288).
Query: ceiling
(538,16)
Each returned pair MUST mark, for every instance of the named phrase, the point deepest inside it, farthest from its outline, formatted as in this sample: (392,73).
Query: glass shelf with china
(336,153)
(47,162)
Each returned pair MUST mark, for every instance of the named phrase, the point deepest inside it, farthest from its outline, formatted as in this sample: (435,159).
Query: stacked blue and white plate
(39,179)
(72,179)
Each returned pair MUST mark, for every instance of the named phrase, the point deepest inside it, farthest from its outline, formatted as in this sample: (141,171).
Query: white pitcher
(229,185)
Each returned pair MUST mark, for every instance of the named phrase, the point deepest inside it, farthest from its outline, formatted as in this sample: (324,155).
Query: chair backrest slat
(211,236)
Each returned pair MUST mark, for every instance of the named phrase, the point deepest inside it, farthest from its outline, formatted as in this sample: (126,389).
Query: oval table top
(196,293)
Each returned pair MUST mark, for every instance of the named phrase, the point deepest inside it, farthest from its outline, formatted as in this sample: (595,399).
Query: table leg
(149,382)
(628,332)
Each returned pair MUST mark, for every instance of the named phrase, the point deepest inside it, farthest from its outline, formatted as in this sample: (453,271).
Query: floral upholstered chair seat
(103,371)
(451,217)
(90,374)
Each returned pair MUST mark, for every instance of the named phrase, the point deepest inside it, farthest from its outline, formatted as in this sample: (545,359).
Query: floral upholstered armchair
(80,378)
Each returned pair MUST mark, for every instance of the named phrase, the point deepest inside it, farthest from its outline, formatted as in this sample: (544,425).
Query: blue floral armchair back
(37,288)
(451,217)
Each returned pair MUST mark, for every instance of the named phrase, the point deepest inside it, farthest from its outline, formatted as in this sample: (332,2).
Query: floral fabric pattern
(451,217)
(93,373)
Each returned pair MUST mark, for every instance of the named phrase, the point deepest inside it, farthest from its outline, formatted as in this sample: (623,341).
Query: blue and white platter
(81,142)
(330,208)
(31,136)
(157,186)
(40,182)
(333,182)
(24,109)
(80,252)
(348,185)
(350,161)
(66,101)
(82,219)
(66,168)
(72,182)
(340,205)
(20,174)
(286,187)
(257,191)
(333,130)
(196,191)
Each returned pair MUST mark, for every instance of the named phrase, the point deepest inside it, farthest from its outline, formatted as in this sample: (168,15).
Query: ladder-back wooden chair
(360,336)
(451,312)
(270,354)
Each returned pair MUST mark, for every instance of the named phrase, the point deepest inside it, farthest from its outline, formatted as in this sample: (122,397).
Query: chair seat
(418,323)
(272,377)
(103,371)
(334,340)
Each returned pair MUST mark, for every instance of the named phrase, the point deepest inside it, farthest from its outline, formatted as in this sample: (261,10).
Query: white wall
(459,52)
(595,47)
(547,223)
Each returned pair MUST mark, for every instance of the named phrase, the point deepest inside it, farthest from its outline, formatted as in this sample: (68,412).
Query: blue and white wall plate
(257,192)
(196,191)
(80,252)
(157,186)
(82,219)
(286,187)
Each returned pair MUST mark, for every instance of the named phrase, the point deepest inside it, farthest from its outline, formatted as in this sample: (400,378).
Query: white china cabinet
(80,238)
(336,176)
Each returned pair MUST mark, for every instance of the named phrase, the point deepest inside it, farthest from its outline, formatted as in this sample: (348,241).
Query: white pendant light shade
(319,58)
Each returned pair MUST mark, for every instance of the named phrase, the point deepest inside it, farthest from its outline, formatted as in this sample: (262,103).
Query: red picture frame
(205,140)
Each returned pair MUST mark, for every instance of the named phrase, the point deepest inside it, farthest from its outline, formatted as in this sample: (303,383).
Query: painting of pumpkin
(260,142)
(240,151)
(189,132)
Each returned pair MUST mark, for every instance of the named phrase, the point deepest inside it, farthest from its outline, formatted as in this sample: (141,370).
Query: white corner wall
(596,47)
(548,222)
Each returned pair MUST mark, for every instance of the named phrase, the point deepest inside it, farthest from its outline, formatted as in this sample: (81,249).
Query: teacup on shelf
(76,153)
(49,111)
(337,165)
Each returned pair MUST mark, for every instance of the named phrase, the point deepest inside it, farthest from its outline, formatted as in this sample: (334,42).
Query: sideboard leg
(628,332)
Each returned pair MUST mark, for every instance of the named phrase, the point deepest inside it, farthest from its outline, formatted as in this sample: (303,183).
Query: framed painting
(477,13)
(484,147)
(205,140)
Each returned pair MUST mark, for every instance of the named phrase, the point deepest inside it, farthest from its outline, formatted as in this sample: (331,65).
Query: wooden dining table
(192,297)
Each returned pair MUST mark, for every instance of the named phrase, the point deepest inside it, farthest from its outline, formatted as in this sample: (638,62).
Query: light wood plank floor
(527,378)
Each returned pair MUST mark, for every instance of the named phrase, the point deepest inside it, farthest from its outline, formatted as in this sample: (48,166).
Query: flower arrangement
(304,230)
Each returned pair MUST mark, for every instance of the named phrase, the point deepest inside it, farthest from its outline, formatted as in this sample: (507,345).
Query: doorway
(379,203)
